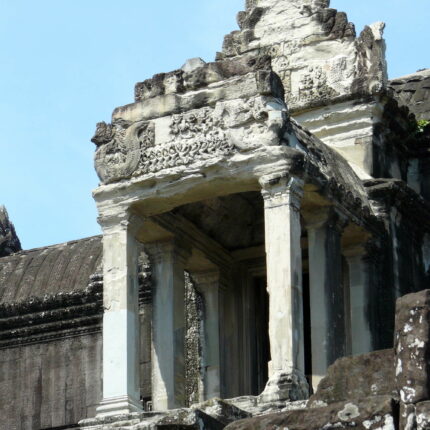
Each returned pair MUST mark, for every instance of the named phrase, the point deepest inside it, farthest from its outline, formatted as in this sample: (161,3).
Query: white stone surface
(121,386)
(347,127)
(284,274)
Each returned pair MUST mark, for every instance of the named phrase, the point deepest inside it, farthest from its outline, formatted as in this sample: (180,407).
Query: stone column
(168,359)
(359,277)
(325,291)
(121,385)
(208,284)
(282,199)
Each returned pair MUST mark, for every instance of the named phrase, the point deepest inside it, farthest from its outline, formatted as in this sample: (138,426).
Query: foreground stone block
(374,413)
(224,412)
(214,414)
(357,377)
(412,347)
(407,417)
(184,419)
(422,416)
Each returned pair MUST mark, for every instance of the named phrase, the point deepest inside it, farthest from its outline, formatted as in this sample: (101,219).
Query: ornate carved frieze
(125,150)
(195,135)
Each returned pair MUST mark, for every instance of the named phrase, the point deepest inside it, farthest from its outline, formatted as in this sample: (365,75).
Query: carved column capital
(158,250)
(279,191)
(316,218)
(337,221)
(210,279)
(373,251)
(368,249)
(326,216)
(356,250)
(121,220)
(206,278)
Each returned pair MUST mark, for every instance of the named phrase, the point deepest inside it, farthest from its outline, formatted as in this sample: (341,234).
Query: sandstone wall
(52,384)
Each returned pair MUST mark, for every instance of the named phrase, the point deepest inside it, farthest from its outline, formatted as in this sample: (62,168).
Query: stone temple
(261,214)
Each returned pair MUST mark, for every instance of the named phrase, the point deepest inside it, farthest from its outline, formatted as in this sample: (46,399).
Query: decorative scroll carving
(120,146)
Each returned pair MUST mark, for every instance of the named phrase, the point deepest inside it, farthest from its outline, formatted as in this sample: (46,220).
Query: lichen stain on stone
(349,412)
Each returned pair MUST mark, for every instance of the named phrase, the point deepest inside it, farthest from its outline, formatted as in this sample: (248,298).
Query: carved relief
(125,150)
(314,83)
(103,134)
(119,149)
(194,136)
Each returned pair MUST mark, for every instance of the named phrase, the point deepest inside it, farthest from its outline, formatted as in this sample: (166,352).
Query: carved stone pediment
(131,149)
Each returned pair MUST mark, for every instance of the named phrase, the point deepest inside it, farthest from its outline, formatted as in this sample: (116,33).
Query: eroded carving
(196,135)
(103,134)
(120,147)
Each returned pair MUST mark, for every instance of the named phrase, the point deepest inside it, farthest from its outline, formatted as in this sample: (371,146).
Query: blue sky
(66,64)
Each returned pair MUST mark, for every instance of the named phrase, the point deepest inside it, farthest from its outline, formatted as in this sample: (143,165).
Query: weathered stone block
(412,347)
(186,419)
(357,377)
(423,416)
(222,411)
(407,417)
(378,412)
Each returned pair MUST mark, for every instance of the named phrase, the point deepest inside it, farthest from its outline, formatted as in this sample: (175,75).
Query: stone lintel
(157,193)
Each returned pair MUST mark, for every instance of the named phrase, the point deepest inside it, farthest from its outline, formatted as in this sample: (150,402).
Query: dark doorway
(307,329)
(260,343)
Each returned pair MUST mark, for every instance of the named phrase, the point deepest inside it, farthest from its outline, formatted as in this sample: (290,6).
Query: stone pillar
(121,385)
(208,284)
(325,291)
(168,359)
(282,199)
(359,276)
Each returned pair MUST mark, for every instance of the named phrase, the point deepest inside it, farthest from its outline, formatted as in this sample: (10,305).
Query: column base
(285,385)
(113,406)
